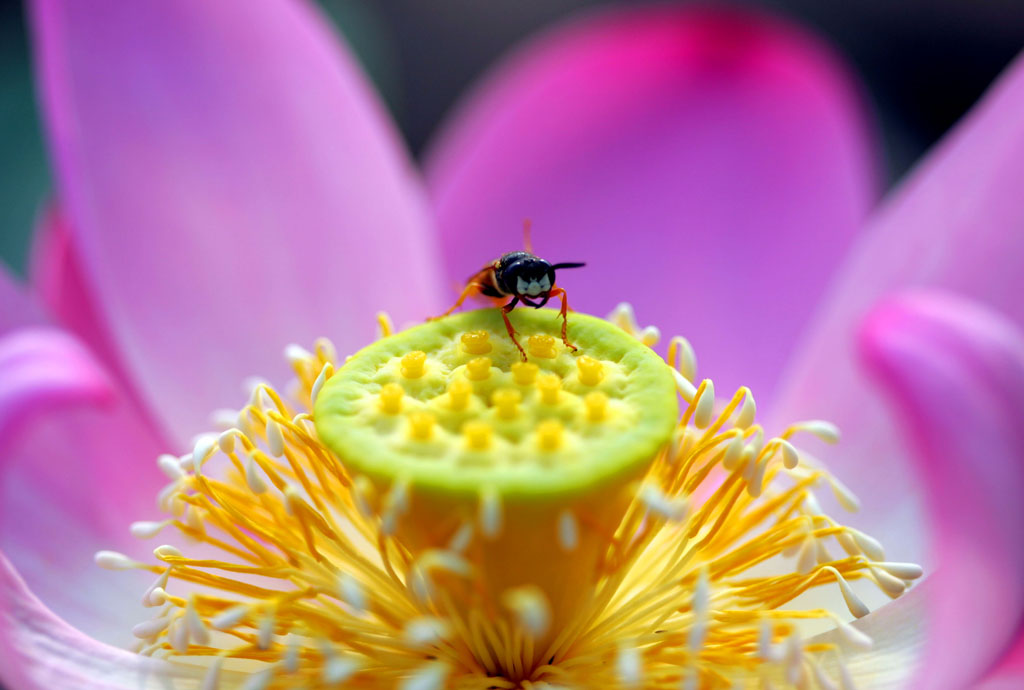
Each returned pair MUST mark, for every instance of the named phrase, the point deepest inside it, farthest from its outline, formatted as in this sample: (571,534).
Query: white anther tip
(747,412)
(765,648)
(171,466)
(568,531)
(112,560)
(211,681)
(705,405)
(155,597)
(296,354)
(702,593)
(425,631)
(229,618)
(150,629)
(670,508)
(204,447)
(321,378)
(461,539)
(490,517)
(431,676)
(826,431)
(732,453)
(853,602)
(847,499)
(649,336)
(904,571)
(870,546)
(275,438)
(853,638)
(687,391)
(629,666)
(226,441)
(352,593)
(253,478)
(166,551)
(146,529)
(790,456)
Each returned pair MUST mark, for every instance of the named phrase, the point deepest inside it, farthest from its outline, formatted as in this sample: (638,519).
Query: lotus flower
(227,182)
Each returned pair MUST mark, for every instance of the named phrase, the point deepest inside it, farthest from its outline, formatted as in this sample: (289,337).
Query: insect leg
(559,292)
(508,326)
(469,290)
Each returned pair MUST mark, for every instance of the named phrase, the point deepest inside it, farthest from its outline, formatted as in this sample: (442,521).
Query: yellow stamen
(444,519)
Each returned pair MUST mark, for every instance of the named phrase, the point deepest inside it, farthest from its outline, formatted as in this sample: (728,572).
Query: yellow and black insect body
(525,278)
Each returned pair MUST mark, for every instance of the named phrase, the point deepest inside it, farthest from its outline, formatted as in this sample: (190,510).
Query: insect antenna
(527,240)
(569,265)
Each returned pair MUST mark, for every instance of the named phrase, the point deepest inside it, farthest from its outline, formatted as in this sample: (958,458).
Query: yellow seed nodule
(413,364)
(506,401)
(596,403)
(458,394)
(421,425)
(549,386)
(477,434)
(542,346)
(476,342)
(524,373)
(478,369)
(591,370)
(391,398)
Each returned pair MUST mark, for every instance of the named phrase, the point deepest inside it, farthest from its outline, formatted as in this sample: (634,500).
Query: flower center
(436,513)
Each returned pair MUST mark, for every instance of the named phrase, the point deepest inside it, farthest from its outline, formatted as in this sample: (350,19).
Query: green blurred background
(923,62)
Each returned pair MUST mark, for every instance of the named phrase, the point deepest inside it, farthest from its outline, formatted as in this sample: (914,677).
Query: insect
(525,278)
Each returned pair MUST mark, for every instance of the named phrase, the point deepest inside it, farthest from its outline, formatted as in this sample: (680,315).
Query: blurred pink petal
(955,223)
(78,465)
(16,307)
(711,167)
(57,280)
(1009,674)
(38,651)
(231,181)
(955,371)
(44,368)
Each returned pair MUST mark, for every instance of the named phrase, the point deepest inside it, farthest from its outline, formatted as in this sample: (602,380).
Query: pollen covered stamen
(476,521)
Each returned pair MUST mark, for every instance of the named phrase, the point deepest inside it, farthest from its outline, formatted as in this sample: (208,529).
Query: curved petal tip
(43,367)
(954,372)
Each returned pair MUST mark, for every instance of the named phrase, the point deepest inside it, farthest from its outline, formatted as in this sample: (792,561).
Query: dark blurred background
(923,63)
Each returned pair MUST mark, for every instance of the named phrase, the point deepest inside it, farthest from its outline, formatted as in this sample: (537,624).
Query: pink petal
(955,223)
(17,309)
(955,373)
(1009,675)
(710,166)
(57,279)
(77,465)
(233,186)
(39,651)
(44,367)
